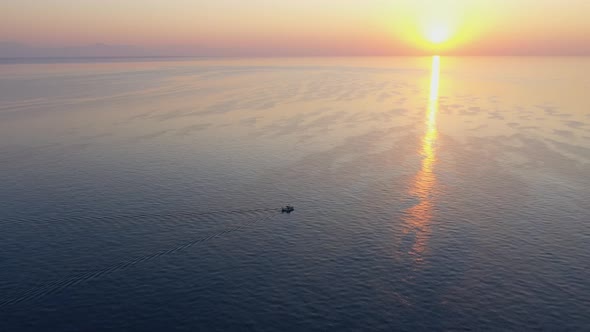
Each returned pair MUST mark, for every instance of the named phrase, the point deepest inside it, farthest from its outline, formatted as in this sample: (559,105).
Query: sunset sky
(305,27)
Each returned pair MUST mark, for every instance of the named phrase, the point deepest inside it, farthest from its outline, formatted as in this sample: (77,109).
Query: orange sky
(305,27)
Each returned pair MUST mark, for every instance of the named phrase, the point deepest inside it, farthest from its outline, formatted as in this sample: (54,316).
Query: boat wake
(56,286)
(129,218)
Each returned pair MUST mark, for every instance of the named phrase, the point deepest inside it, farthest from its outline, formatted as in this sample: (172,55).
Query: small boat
(287,209)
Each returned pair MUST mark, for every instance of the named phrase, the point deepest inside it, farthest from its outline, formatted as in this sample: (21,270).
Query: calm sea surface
(429,193)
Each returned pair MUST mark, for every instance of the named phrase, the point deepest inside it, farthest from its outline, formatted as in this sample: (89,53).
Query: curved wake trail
(129,217)
(55,286)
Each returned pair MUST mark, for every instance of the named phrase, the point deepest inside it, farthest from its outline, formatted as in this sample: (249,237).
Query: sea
(430,194)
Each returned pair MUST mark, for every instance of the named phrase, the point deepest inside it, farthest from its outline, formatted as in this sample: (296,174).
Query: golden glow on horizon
(418,218)
(434,31)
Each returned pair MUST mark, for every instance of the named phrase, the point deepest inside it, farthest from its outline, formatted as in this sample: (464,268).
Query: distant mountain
(17,50)
(13,49)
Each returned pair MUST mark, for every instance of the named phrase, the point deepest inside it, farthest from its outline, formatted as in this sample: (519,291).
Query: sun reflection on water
(417,218)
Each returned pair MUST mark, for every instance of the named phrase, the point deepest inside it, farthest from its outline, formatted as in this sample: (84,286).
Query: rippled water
(430,193)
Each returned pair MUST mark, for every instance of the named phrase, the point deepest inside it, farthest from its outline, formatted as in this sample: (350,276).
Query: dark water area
(430,194)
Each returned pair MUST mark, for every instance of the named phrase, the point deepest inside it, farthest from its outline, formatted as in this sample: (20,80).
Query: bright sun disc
(438,34)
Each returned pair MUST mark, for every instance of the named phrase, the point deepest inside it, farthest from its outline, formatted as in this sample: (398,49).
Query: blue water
(429,193)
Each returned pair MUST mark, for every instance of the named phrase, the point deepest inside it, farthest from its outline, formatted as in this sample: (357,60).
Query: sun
(438,34)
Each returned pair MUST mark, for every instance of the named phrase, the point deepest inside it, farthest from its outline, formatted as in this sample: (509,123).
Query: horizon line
(286,56)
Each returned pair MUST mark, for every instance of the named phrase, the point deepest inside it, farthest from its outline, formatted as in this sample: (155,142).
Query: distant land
(11,49)
(18,50)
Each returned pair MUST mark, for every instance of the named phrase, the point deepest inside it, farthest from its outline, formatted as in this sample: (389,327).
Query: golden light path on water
(417,219)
